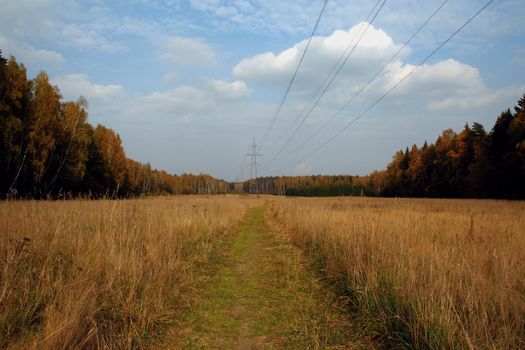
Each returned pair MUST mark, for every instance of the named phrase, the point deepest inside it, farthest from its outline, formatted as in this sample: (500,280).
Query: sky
(189,84)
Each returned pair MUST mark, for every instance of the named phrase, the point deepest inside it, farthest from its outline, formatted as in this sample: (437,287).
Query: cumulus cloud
(448,85)
(188,101)
(324,51)
(74,85)
(444,77)
(442,85)
(188,51)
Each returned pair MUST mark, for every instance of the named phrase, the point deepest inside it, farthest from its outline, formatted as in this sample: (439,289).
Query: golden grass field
(415,273)
(420,272)
(102,274)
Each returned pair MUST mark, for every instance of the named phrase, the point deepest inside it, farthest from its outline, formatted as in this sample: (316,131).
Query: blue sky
(188,84)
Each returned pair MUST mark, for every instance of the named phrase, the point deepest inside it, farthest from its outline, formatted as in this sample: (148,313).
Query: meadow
(419,273)
(103,274)
(410,273)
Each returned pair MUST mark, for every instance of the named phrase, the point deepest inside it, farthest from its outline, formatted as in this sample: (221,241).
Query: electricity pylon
(254,153)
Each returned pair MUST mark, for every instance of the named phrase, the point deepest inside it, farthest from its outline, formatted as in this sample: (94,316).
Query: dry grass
(420,273)
(103,274)
(115,274)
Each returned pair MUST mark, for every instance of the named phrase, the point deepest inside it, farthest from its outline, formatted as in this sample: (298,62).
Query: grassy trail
(261,296)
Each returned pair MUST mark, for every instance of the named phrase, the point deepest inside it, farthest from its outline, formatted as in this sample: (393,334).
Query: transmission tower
(253,153)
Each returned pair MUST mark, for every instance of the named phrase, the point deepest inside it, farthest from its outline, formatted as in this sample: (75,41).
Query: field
(421,273)
(269,272)
(103,274)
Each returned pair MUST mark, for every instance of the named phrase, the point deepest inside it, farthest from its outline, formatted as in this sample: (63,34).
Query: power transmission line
(267,133)
(399,82)
(357,93)
(327,86)
(334,67)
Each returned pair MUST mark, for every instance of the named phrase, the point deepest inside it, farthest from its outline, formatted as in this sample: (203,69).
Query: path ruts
(262,296)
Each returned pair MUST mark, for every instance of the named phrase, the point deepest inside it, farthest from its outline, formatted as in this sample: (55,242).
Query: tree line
(473,163)
(310,186)
(49,150)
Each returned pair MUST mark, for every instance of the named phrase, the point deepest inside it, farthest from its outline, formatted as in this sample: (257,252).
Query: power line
(357,93)
(334,67)
(293,76)
(327,86)
(399,82)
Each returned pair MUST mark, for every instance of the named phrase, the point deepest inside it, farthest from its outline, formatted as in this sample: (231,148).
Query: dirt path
(261,296)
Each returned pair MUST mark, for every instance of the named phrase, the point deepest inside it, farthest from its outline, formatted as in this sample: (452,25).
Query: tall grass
(420,273)
(102,274)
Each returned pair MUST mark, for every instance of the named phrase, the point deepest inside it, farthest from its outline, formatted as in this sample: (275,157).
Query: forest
(473,163)
(49,150)
(310,185)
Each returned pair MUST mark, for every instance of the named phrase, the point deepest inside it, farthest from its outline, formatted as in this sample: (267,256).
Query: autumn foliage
(49,150)
(473,163)
(310,186)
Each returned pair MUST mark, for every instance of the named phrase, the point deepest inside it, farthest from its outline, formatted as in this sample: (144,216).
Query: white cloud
(29,18)
(72,86)
(443,85)
(259,16)
(89,38)
(139,27)
(474,101)
(183,100)
(189,101)
(447,85)
(61,23)
(276,69)
(234,90)
(178,50)
(28,54)
(444,78)
(297,17)
(188,51)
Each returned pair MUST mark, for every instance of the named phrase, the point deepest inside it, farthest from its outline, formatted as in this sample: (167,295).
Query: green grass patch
(260,295)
